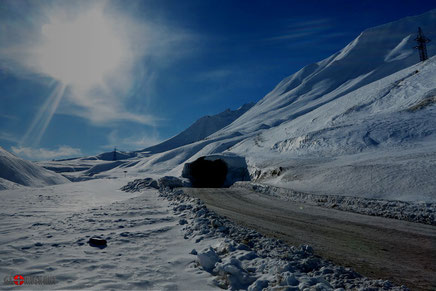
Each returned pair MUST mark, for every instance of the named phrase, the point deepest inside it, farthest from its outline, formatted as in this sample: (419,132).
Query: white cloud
(46,154)
(298,28)
(8,137)
(94,49)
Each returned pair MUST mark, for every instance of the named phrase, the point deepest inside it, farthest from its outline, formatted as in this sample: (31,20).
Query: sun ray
(40,123)
(50,112)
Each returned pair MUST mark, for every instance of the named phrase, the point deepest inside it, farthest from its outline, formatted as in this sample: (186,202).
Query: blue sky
(81,77)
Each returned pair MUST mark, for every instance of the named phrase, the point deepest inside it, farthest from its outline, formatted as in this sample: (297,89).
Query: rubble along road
(379,248)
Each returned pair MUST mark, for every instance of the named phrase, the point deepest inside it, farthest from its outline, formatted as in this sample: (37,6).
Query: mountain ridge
(200,129)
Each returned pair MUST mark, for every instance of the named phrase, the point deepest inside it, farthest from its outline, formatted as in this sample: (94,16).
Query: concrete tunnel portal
(208,174)
(216,171)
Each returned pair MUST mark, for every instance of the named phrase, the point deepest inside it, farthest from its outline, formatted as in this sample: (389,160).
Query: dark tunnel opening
(208,174)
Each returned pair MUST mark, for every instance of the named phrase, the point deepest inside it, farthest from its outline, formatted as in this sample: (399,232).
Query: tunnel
(208,174)
(216,171)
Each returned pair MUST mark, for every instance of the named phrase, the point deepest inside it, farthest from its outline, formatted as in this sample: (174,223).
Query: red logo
(18,280)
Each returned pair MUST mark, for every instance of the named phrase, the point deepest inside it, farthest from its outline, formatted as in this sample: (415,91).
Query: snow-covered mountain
(345,125)
(376,53)
(14,170)
(76,168)
(377,141)
(200,129)
(360,123)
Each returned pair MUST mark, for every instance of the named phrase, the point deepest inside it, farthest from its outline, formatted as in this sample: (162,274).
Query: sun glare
(80,51)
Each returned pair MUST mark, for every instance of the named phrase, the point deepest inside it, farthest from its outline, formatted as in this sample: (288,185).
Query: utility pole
(114,157)
(422,47)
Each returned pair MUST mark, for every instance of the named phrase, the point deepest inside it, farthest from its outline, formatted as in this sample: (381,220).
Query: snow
(14,170)
(359,123)
(152,242)
(347,125)
(365,143)
(46,233)
(240,258)
(202,128)
(401,51)
(176,150)
(419,212)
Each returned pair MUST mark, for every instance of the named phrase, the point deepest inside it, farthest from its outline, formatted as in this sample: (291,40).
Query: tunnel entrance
(208,174)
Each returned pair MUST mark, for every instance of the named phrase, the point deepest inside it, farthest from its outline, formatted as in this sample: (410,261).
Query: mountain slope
(200,129)
(351,113)
(376,53)
(378,141)
(16,170)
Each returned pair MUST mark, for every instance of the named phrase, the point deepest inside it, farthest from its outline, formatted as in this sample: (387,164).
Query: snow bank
(420,212)
(240,258)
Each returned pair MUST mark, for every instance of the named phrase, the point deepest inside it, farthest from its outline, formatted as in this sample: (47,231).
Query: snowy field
(44,232)
(165,241)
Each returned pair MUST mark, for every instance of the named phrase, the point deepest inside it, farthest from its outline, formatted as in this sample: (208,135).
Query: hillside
(376,53)
(16,170)
(378,141)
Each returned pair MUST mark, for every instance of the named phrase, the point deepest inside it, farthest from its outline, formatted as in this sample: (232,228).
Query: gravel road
(377,247)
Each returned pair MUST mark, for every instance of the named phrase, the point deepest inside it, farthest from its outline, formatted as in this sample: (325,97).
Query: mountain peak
(200,129)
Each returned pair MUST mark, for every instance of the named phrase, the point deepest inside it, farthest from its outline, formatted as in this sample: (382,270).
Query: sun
(80,51)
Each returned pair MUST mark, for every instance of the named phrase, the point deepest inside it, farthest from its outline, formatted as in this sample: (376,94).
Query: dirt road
(376,247)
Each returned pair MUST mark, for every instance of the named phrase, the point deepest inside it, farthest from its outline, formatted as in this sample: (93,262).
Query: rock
(207,259)
(216,223)
(310,264)
(171,182)
(243,247)
(323,287)
(289,279)
(326,270)
(153,184)
(236,275)
(97,242)
(183,221)
(139,184)
(259,285)
(248,256)
(307,249)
